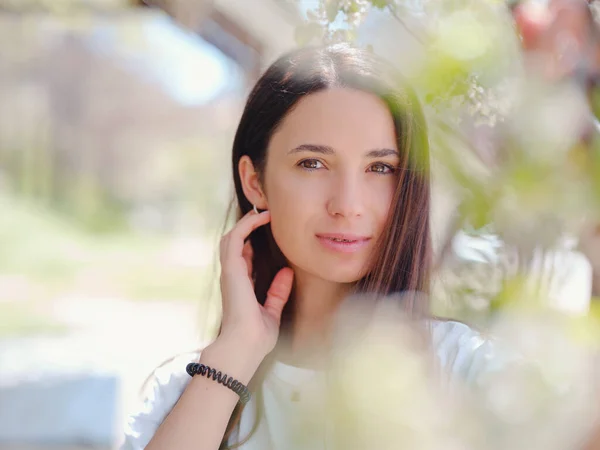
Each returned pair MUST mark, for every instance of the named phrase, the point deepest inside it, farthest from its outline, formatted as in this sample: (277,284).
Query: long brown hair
(402,261)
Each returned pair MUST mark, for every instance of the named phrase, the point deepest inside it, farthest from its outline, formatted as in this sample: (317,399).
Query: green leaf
(380,4)
(595,102)
(352,8)
(332,8)
(477,211)
(512,294)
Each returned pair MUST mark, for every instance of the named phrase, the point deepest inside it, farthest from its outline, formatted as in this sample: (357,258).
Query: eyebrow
(326,150)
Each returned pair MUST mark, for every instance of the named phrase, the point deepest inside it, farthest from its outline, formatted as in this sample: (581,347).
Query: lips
(343,242)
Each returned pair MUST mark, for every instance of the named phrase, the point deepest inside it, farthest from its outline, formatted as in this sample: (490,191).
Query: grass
(55,258)
(18,320)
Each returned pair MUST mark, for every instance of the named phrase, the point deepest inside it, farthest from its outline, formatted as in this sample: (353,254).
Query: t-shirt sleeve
(161,394)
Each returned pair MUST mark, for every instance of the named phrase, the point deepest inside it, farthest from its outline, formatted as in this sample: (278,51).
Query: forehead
(341,118)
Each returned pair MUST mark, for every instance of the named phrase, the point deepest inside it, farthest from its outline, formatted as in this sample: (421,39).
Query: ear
(251,183)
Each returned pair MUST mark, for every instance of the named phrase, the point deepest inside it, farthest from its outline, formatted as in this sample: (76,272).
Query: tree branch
(395,15)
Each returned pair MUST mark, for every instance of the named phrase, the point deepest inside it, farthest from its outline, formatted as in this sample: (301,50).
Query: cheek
(285,203)
(381,202)
(292,198)
(292,207)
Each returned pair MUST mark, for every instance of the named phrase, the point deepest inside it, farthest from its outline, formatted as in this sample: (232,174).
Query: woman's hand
(245,321)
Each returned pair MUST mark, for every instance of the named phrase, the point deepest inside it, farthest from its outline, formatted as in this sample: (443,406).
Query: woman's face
(329,182)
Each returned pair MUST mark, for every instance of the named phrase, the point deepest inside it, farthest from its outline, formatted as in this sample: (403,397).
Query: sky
(188,68)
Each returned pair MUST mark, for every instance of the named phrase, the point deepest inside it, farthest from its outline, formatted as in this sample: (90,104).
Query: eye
(382,169)
(311,164)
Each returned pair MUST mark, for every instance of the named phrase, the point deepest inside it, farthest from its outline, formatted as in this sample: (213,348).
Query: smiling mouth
(343,237)
(345,243)
(342,240)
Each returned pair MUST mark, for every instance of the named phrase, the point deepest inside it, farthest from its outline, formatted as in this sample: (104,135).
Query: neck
(315,304)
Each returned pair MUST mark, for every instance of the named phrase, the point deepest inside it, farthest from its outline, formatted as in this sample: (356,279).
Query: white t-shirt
(463,353)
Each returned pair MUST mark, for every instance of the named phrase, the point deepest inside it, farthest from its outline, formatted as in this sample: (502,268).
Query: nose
(346,196)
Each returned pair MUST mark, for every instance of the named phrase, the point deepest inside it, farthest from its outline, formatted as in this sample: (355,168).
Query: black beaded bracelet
(237,387)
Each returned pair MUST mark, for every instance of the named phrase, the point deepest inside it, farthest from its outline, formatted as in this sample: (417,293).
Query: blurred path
(106,336)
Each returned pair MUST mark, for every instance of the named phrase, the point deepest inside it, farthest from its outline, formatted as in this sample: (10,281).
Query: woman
(334,153)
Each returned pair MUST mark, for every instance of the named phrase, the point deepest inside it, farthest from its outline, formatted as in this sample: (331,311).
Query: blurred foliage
(80,135)
(64,6)
(58,259)
(507,142)
(109,187)
(529,388)
(17,320)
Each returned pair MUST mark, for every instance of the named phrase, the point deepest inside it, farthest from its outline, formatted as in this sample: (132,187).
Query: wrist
(244,341)
(233,358)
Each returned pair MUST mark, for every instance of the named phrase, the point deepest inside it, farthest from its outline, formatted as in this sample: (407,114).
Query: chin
(339,275)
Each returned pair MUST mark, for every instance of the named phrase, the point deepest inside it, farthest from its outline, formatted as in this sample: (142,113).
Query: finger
(243,228)
(279,293)
(247,254)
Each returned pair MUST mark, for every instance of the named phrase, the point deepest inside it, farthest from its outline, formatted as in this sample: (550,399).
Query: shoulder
(466,353)
(161,393)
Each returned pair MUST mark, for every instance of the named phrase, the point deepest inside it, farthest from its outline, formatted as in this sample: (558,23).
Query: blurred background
(116,122)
